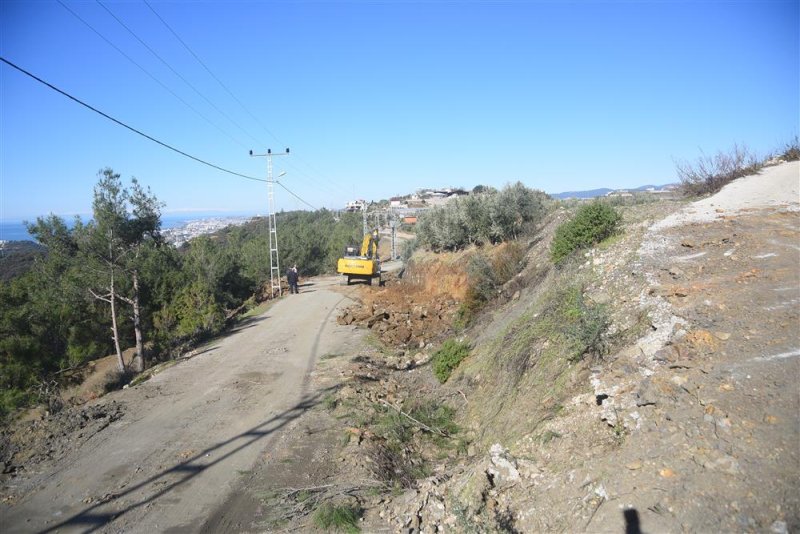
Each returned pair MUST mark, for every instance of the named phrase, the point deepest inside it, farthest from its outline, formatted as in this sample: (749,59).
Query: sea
(14,230)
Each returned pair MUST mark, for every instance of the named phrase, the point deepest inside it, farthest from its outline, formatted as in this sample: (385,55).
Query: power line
(186,46)
(176,73)
(151,138)
(232,95)
(131,128)
(159,82)
(295,196)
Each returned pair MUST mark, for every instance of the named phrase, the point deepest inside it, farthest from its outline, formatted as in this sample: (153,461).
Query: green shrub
(338,518)
(447,358)
(591,224)
(574,323)
(397,428)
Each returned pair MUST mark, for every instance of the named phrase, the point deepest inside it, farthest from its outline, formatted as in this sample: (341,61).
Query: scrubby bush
(573,323)
(407,249)
(447,358)
(486,275)
(709,174)
(791,152)
(396,458)
(591,224)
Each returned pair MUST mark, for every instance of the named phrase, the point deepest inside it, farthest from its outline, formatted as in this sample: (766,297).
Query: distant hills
(603,191)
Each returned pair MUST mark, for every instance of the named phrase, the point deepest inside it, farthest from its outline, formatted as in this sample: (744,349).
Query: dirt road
(191,432)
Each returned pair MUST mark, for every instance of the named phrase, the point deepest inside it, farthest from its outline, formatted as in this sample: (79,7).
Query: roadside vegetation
(591,224)
(708,174)
(487,217)
(536,357)
(409,437)
(337,518)
(486,274)
(791,150)
(447,358)
(116,274)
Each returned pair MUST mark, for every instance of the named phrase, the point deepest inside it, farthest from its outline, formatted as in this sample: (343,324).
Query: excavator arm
(369,246)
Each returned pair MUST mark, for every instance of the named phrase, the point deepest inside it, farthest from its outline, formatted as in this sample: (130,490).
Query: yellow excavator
(363,263)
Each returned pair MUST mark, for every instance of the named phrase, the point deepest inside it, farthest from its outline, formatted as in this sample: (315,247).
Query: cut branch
(420,424)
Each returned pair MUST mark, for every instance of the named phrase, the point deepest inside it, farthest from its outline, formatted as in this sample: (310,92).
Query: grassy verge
(338,518)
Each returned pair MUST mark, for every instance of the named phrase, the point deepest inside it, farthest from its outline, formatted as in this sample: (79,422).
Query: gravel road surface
(189,433)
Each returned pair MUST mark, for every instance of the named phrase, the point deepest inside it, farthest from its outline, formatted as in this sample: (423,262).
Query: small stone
(779,527)
(667,473)
(726,387)
(724,336)
(675,271)
(770,419)
(725,464)
(678,380)
(633,466)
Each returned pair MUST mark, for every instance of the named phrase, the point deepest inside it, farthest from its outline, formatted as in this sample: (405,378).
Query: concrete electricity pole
(274,262)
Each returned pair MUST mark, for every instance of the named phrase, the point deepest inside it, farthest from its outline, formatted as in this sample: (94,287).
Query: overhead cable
(295,196)
(151,138)
(232,95)
(210,72)
(176,73)
(159,82)
(131,128)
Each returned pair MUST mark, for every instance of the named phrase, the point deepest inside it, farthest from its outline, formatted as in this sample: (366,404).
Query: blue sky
(377,99)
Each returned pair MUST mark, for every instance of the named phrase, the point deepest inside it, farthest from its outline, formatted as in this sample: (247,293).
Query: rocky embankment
(691,425)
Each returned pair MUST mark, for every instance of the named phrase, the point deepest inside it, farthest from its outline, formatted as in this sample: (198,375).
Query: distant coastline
(14,230)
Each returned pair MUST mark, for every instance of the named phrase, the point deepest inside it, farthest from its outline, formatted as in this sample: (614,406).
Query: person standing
(292,277)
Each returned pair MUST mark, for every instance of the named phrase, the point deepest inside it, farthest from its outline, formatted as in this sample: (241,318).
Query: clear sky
(380,98)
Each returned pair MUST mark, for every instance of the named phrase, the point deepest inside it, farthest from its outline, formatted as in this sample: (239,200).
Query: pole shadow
(632,525)
(94,518)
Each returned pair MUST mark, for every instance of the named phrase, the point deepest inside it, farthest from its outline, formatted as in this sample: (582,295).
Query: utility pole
(274,262)
(393,223)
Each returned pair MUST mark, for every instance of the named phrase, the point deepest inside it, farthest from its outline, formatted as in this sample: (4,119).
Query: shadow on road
(93,518)
(632,525)
(246,323)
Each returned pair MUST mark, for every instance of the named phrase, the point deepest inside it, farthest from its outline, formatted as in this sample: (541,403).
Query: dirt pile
(416,310)
(400,320)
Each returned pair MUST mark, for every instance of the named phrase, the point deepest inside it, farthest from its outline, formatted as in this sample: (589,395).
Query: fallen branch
(310,488)
(418,423)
